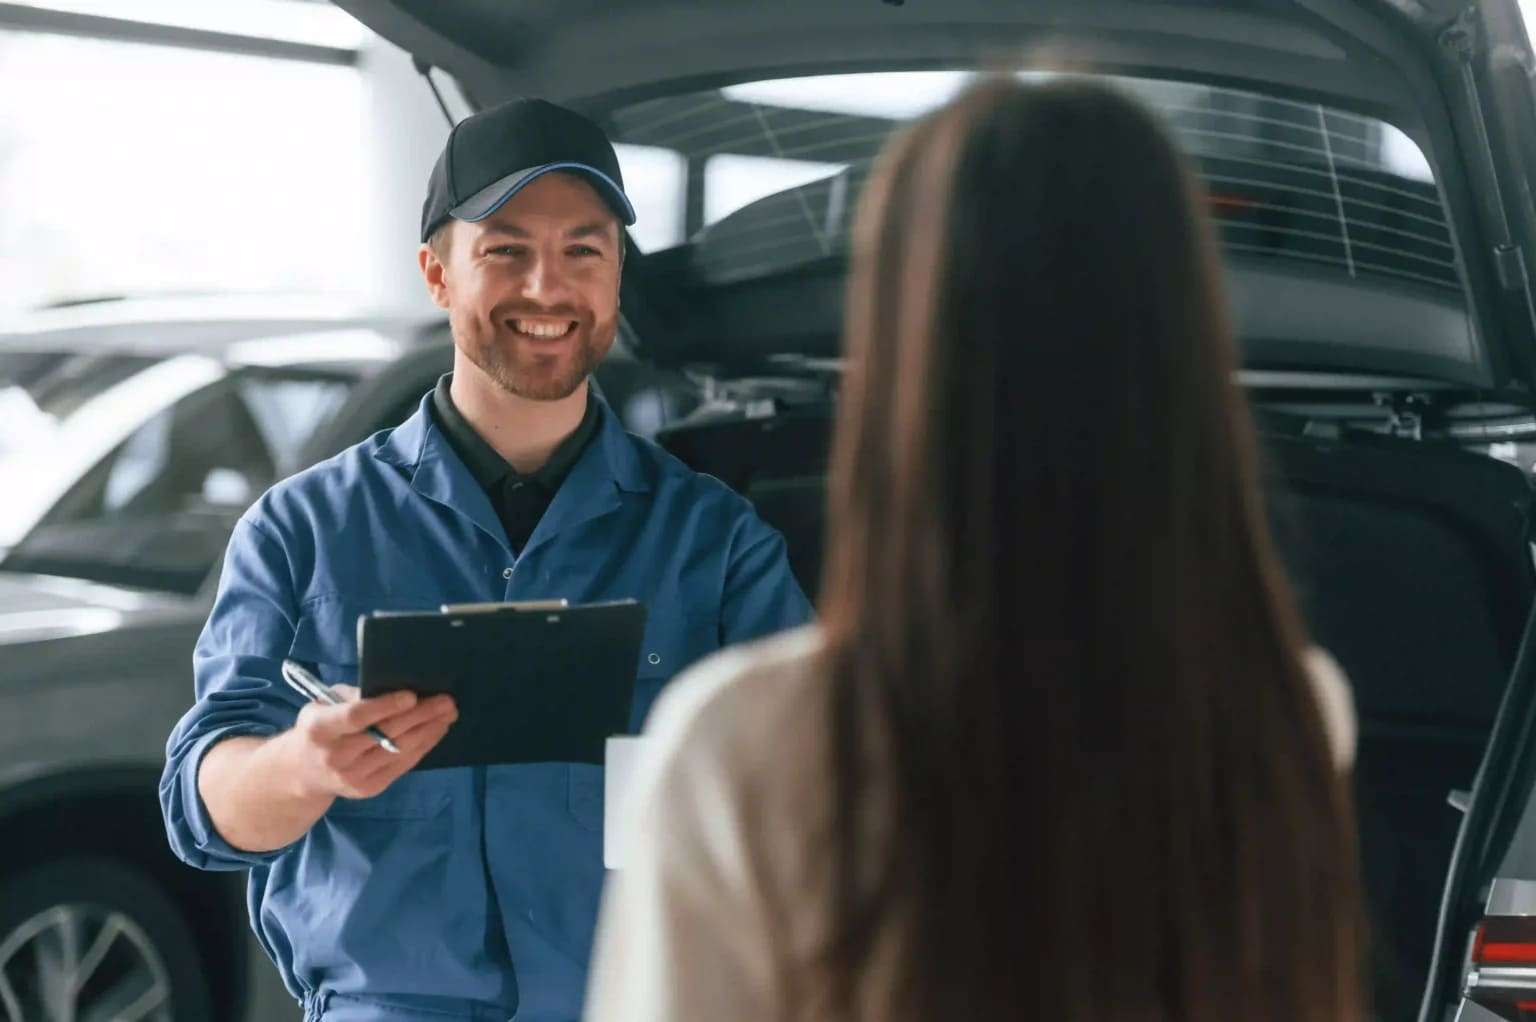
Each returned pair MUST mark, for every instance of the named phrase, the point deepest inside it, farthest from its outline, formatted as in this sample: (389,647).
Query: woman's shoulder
(737,699)
(761,701)
(1336,702)
(725,750)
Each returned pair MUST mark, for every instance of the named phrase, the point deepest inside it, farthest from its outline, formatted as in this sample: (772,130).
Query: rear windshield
(774,168)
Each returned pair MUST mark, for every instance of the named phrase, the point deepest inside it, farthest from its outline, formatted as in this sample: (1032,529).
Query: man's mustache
(534,311)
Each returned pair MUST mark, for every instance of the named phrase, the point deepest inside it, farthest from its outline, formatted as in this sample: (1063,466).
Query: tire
(110,928)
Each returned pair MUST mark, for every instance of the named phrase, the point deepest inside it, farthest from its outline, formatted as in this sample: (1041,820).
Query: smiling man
(467,893)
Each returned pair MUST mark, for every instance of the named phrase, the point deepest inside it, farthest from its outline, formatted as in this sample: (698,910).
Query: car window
(288,412)
(157,511)
(656,181)
(217,448)
(38,389)
(1290,183)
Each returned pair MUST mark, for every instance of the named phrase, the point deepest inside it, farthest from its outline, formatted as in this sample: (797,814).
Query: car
(1369,165)
(140,432)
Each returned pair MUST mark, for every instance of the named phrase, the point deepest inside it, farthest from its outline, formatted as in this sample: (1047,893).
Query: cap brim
(491,198)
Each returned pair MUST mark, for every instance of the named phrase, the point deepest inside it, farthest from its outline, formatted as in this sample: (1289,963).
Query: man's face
(532,292)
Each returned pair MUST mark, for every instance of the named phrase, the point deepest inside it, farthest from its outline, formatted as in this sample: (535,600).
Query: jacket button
(654,658)
(506,573)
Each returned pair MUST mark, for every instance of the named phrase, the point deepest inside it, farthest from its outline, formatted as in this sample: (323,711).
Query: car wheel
(93,940)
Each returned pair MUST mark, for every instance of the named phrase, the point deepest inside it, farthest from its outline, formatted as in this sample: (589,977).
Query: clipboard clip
(493,608)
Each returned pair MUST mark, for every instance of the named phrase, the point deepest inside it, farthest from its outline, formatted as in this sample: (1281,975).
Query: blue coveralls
(471,892)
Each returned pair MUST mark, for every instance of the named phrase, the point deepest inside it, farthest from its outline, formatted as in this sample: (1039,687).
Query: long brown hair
(1065,660)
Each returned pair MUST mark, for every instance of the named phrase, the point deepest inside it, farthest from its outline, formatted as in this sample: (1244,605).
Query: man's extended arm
(250,768)
(264,794)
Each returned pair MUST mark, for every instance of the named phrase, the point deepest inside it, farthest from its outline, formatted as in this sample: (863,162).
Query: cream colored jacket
(703,920)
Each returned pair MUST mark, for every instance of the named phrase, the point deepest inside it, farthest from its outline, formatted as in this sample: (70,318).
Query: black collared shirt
(519,500)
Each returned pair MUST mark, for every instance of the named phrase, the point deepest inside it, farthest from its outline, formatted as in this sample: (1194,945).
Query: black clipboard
(534,682)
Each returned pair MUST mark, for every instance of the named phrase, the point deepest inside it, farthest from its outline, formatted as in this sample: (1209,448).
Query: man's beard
(532,380)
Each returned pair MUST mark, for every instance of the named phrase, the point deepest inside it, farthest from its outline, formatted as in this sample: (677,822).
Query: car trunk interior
(1412,564)
(1380,372)
(1407,544)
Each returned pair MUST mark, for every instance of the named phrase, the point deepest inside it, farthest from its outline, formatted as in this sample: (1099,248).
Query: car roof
(241,330)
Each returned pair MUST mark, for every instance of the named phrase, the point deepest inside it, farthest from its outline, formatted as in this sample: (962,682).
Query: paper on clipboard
(621,757)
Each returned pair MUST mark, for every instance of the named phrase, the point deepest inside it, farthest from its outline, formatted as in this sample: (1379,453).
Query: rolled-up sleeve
(238,690)
(761,595)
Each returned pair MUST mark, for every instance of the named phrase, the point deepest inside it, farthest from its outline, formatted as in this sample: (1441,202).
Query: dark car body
(99,607)
(1386,316)
(169,428)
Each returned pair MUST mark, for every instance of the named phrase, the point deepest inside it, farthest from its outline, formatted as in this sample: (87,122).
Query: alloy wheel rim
(82,963)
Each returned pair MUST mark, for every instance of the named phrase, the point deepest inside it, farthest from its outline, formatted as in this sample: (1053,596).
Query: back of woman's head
(1058,633)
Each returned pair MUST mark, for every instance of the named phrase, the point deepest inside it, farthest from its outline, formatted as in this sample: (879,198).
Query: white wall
(403,131)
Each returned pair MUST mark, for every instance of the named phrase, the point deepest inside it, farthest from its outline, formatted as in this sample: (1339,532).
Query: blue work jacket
(464,892)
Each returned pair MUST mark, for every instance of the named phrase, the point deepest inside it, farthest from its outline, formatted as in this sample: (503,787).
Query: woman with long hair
(1059,747)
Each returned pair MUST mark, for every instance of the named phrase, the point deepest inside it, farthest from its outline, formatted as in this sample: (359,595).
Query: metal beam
(26,18)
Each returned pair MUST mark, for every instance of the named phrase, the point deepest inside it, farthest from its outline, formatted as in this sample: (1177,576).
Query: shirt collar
(612,461)
(487,466)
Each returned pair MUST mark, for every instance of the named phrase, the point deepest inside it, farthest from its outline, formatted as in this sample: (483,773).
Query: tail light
(1501,977)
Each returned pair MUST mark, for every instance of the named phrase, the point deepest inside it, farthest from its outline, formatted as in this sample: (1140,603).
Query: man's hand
(265,793)
(333,754)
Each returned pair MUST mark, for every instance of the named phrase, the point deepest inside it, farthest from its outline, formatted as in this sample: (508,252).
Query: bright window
(732,181)
(318,24)
(130,169)
(656,181)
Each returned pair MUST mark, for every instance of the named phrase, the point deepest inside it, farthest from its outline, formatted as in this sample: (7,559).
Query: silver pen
(312,688)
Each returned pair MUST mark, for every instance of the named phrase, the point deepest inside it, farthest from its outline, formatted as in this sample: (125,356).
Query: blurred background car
(140,433)
(1369,167)
(135,439)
